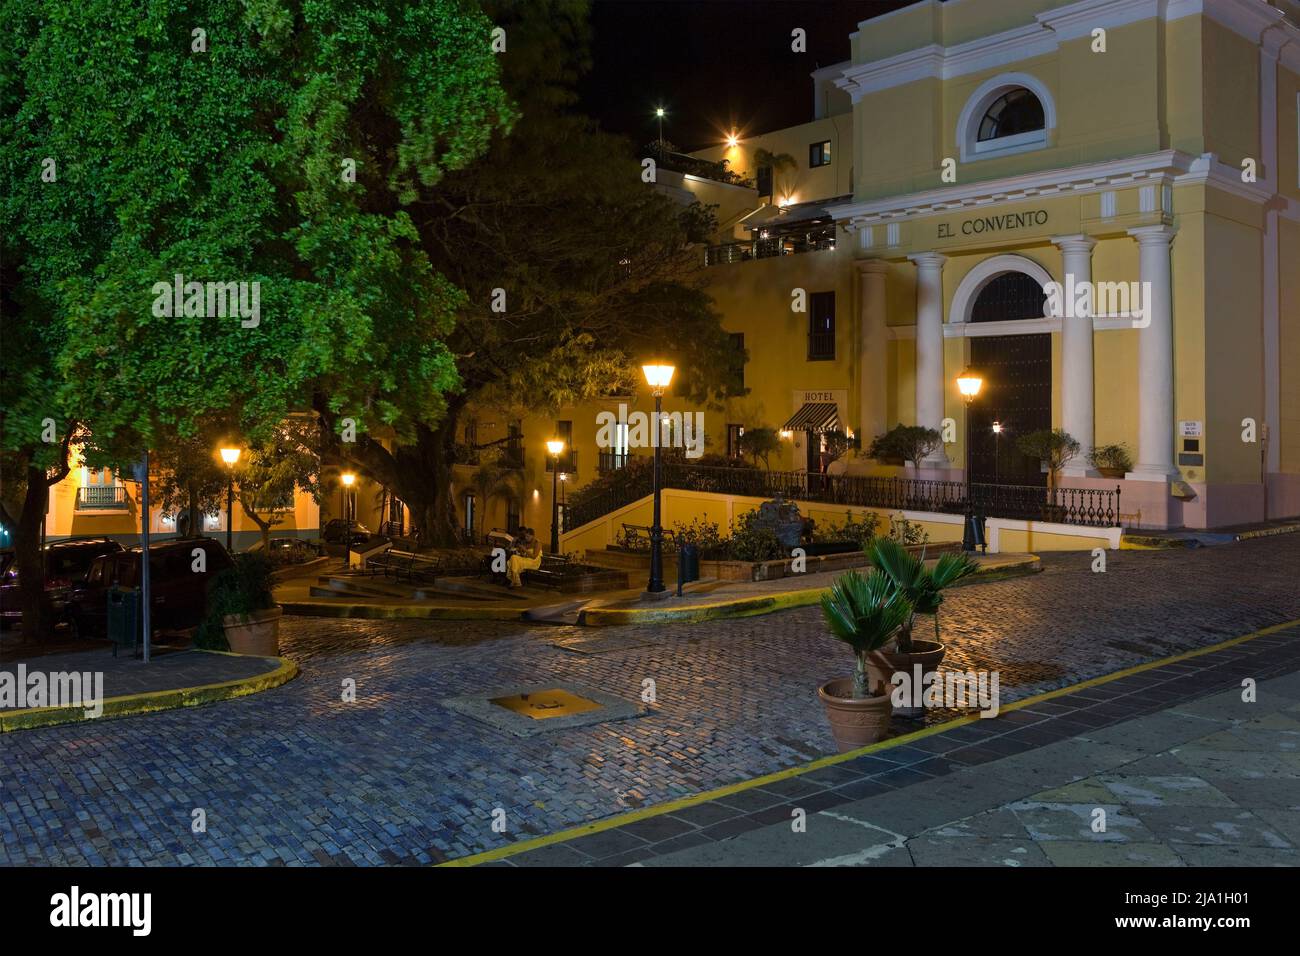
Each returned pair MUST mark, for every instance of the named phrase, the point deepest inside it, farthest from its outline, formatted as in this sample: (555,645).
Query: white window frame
(977,105)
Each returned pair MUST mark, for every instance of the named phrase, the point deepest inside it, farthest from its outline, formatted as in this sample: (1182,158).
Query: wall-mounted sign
(994,222)
(1190,429)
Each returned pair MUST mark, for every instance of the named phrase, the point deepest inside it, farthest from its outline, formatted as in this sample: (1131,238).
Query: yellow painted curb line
(610,823)
(152,701)
(438,612)
(753,606)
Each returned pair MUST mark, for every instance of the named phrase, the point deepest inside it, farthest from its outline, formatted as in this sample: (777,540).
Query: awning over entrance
(814,417)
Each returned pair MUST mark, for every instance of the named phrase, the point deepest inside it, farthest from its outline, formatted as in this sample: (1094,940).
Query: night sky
(713,64)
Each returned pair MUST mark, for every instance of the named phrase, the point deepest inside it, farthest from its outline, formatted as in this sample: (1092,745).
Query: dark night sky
(713,64)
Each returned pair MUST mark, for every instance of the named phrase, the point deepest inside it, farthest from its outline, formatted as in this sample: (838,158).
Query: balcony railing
(821,346)
(608,461)
(816,239)
(102,498)
(1078,506)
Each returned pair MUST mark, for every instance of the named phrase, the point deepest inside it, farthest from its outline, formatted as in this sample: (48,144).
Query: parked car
(66,563)
(342,531)
(179,593)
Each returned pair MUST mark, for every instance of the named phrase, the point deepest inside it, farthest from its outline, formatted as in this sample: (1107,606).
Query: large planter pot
(925,654)
(256,634)
(1111,472)
(855,722)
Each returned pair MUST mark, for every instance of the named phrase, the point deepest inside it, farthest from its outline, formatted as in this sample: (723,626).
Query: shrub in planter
(242,611)
(923,589)
(704,534)
(905,443)
(753,540)
(1113,461)
(865,613)
(853,531)
(1054,447)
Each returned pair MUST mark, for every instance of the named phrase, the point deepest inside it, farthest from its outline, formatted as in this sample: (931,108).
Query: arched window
(1012,113)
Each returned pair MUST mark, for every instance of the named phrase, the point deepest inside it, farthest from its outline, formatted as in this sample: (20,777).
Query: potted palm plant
(1111,461)
(249,616)
(865,613)
(923,588)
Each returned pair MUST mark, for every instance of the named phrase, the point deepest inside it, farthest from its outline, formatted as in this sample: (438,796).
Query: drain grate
(545,704)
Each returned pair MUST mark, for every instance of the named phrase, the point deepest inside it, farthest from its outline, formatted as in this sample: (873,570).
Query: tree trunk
(38,617)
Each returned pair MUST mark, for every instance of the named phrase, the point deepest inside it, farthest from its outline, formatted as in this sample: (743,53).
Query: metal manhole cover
(546,704)
(543,708)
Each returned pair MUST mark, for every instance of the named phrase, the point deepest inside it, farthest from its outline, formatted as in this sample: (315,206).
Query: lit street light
(555,446)
(230,455)
(657,376)
(969,384)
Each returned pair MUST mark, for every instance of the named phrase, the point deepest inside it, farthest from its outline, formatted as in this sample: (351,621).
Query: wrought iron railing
(101,497)
(1078,506)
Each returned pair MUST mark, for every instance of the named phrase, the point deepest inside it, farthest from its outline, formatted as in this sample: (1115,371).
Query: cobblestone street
(297,775)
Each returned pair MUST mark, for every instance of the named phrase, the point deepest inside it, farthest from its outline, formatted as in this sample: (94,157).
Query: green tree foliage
(760,444)
(223,156)
(596,266)
(905,442)
(1053,446)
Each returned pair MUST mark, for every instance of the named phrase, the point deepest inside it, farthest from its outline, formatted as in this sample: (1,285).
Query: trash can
(689,558)
(124,621)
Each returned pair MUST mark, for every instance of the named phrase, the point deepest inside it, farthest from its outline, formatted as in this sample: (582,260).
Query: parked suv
(66,563)
(342,531)
(179,593)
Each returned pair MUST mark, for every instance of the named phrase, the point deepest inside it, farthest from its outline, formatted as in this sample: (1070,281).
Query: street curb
(394,611)
(150,702)
(611,823)
(764,604)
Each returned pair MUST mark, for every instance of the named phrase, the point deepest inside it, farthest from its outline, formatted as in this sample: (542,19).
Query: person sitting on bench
(527,557)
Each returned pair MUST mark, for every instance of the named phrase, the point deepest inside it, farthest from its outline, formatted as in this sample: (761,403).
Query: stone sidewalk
(1113,774)
(127,686)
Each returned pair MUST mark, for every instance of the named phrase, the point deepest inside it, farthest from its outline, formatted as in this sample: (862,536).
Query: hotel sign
(996,222)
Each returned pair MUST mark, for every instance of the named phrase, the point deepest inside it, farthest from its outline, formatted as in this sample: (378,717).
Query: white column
(1155,358)
(872,308)
(1076,352)
(929,346)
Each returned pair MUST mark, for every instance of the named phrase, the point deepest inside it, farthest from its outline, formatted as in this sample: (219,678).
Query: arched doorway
(1017,371)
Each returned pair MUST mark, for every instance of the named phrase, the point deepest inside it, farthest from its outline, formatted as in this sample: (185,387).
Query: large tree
(597,268)
(274,142)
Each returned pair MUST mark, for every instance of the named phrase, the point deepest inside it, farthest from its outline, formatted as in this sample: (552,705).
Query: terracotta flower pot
(256,634)
(928,654)
(855,722)
(1111,472)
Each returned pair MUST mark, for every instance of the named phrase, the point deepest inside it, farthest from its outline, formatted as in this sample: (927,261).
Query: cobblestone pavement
(299,776)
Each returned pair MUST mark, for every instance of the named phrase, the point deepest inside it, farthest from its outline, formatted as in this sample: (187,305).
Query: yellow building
(968,156)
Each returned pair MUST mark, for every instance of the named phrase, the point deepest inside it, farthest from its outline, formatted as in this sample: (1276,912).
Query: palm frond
(864,612)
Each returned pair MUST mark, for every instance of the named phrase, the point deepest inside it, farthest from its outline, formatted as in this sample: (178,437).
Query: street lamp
(659,114)
(997,451)
(657,376)
(230,456)
(969,384)
(347,478)
(555,446)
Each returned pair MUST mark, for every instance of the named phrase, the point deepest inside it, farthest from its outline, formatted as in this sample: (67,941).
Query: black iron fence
(1078,506)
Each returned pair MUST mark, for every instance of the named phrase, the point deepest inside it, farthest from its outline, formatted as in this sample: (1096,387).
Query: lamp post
(969,384)
(657,376)
(230,456)
(555,446)
(997,452)
(347,478)
(659,114)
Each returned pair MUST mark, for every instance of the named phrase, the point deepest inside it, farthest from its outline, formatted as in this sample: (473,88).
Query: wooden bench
(634,534)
